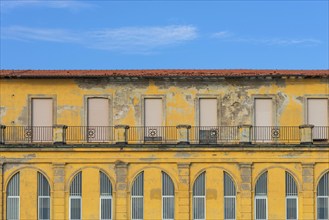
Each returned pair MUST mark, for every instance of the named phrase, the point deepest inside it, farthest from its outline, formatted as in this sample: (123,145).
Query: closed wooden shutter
(263,119)
(208,132)
(317,115)
(153,130)
(98,120)
(42,119)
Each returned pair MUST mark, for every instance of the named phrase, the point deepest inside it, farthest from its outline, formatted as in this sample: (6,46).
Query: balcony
(181,134)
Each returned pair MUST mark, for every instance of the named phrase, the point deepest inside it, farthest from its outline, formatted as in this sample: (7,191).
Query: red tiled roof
(159,73)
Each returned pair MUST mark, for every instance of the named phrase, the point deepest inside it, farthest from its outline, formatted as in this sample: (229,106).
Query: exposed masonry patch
(11,163)
(23,117)
(283,101)
(63,108)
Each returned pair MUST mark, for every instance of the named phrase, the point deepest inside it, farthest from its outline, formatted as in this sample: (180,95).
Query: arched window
(13,198)
(261,198)
(43,198)
(199,197)
(291,198)
(168,197)
(137,198)
(105,197)
(229,197)
(75,197)
(323,198)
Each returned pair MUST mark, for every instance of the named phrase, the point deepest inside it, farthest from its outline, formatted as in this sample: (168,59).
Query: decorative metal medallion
(91,133)
(28,133)
(152,132)
(275,132)
(213,133)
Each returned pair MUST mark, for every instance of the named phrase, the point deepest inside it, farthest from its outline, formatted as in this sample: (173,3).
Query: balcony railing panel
(90,134)
(275,134)
(28,134)
(214,134)
(320,133)
(152,134)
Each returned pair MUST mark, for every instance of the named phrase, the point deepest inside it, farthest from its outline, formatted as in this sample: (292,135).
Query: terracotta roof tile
(159,73)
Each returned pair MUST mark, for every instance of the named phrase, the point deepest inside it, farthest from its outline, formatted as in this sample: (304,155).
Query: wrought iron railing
(214,134)
(161,134)
(152,134)
(90,134)
(28,134)
(275,134)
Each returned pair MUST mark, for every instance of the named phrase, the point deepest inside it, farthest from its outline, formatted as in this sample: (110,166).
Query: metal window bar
(13,198)
(105,197)
(93,134)
(229,197)
(152,134)
(137,198)
(28,134)
(43,198)
(168,197)
(291,198)
(75,197)
(199,197)
(214,134)
(275,134)
(320,133)
(261,198)
(323,198)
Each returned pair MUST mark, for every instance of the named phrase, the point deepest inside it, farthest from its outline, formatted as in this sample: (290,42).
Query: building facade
(164,144)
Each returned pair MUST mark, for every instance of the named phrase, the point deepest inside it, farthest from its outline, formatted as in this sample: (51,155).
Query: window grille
(323,198)
(199,197)
(105,197)
(291,198)
(168,197)
(43,198)
(229,197)
(261,198)
(75,197)
(137,198)
(13,198)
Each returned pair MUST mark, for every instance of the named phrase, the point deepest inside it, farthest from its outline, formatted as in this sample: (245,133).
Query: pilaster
(59,191)
(122,197)
(308,190)
(184,191)
(246,191)
(1,192)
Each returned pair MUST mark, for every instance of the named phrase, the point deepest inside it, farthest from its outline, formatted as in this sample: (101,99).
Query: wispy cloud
(126,39)
(231,37)
(7,5)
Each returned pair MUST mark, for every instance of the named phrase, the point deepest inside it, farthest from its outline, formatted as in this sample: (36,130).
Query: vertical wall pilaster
(246,191)
(122,198)
(1,193)
(308,190)
(184,191)
(59,191)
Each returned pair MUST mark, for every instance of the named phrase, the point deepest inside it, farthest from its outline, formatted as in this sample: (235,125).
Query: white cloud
(230,37)
(7,5)
(125,39)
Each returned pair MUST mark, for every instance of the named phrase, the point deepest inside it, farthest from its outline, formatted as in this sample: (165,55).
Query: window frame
(14,197)
(229,197)
(137,197)
(167,196)
(200,197)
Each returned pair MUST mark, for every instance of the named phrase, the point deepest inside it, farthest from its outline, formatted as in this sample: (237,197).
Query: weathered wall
(183,165)
(235,98)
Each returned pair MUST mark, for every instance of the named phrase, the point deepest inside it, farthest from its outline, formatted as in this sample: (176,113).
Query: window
(43,198)
(291,198)
(153,119)
(317,115)
(42,120)
(137,198)
(99,129)
(105,197)
(229,197)
(75,197)
(13,198)
(261,198)
(168,197)
(199,197)
(323,198)
(263,121)
(208,120)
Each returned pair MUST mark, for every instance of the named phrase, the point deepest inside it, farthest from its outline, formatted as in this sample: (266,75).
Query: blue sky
(43,34)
